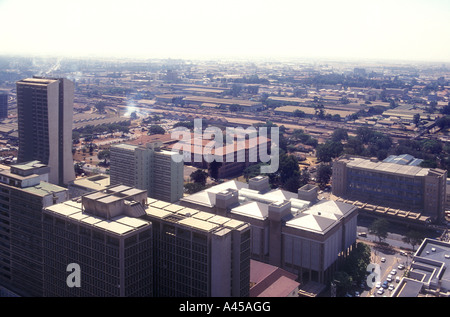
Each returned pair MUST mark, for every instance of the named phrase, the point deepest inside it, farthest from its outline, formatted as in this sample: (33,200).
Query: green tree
(156,129)
(327,151)
(339,135)
(292,184)
(323,175)
(213,169)
(379,227)
(104,155)
(355,264)
(192,188)
(413,238)
(343,281)
(199,176)
(100,106)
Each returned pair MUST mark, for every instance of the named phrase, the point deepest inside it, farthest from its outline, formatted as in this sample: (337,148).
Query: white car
(380,291)
(389,278)
(401,266)
(393,272)
(397,279)
(378,285)
(383,259)
(391,287)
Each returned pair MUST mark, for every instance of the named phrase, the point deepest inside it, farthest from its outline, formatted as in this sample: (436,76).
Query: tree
(100,106)
(354,146)
(339,135)
(288,167)
(327,151)
(213,169)
(356,263)
(292,184)
(156,129)
(235,107)
(299,113)
(104,155)
(304,177)
(343,281)
(192,188)
(413,238)
(379,228)
(199,176)
(323,175)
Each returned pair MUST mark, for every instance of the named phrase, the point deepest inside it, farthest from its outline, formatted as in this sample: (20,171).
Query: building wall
(3,105)
(111,265)
(123,166)
(145,168)
(25,268)
(409,192)
(45,113)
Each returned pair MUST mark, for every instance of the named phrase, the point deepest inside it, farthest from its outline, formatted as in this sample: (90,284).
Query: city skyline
(382,30)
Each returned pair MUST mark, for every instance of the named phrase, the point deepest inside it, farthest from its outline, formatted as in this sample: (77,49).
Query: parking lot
(389,274)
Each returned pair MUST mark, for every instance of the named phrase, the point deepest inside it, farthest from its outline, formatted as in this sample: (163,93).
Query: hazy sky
(346,29)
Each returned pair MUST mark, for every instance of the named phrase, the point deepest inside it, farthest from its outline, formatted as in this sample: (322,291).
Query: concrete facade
(24,192)
(158,171)
(300,236)
(45,114)
(406,187)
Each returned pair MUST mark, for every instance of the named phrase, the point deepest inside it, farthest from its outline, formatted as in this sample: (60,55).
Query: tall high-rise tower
(45,113)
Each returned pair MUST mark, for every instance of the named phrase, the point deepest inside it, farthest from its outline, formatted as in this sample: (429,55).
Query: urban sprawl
(97,200)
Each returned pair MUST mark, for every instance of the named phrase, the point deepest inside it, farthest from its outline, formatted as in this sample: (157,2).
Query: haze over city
(350,29)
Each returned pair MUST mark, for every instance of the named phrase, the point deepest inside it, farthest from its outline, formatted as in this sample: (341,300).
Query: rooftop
(314,217)
(73,211)
(195,219)
(384,167)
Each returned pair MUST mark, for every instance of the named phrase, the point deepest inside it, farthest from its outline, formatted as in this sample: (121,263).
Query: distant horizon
(362,30)
(264,59)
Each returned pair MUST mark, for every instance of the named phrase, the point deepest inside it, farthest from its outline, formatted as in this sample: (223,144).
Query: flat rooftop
(384,167)
(189,217)
(73,211)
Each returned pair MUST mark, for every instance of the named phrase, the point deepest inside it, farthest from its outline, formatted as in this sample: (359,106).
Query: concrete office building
(399,186)
(102,233)
(197,253)
(130,245)
(158,171)
(3,104)
(45,112)
(293,231)
(428,273)
(24,192)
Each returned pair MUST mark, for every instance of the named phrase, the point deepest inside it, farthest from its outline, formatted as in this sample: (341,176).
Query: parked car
(380,291)
(391,287)
(378,285)
(383,259)
(397,279)
(393,272)
(401,266)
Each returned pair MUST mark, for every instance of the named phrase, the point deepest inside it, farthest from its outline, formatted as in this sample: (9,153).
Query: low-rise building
(428,272)
(295,232)
(416,191)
